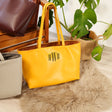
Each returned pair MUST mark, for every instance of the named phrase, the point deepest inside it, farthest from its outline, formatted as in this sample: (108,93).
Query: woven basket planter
(87,46)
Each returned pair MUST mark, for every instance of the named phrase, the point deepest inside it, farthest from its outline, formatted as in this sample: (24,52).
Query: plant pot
(87,46)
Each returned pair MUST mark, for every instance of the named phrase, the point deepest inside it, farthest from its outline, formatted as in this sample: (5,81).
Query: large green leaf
(97,53)
(90,3)
(108,32)
(83,22)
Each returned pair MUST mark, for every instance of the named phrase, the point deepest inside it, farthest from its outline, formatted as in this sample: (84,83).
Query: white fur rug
(92,93)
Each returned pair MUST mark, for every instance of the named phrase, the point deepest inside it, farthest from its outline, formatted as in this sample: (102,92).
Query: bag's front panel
(52,65)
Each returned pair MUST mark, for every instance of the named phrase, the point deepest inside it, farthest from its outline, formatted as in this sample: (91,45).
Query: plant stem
(103,22)
(82,4)
(64,18)
(64,26)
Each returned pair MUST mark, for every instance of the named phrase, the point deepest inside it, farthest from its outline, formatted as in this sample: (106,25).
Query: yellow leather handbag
(51,63)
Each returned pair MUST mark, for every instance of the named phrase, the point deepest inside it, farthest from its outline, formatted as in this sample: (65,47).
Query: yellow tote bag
(52,63)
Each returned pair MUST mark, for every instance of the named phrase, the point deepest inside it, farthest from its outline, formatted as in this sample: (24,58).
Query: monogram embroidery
(53,56)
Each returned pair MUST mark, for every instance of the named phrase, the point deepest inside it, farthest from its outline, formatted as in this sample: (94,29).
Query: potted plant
(84,19)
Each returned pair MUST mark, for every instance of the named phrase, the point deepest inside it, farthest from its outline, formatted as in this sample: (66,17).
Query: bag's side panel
(10,77)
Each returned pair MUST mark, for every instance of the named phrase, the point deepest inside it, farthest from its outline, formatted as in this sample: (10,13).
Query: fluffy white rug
(92,93)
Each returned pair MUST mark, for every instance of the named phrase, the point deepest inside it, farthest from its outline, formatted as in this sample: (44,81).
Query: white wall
(104,13)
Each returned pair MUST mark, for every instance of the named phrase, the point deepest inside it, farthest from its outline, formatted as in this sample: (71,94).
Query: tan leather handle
(1,57)
(101,38)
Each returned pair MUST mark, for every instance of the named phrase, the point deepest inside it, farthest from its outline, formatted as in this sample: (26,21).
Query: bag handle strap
(58,26)
(1,57)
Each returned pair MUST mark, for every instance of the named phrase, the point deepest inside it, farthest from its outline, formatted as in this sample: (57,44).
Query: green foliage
(50,19)
(39,21)
(108,32)
(82,22)
(58,2)
(97,53)
(90,3)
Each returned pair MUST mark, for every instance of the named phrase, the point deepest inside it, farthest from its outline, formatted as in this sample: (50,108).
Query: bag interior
(8,56)
(70,42)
